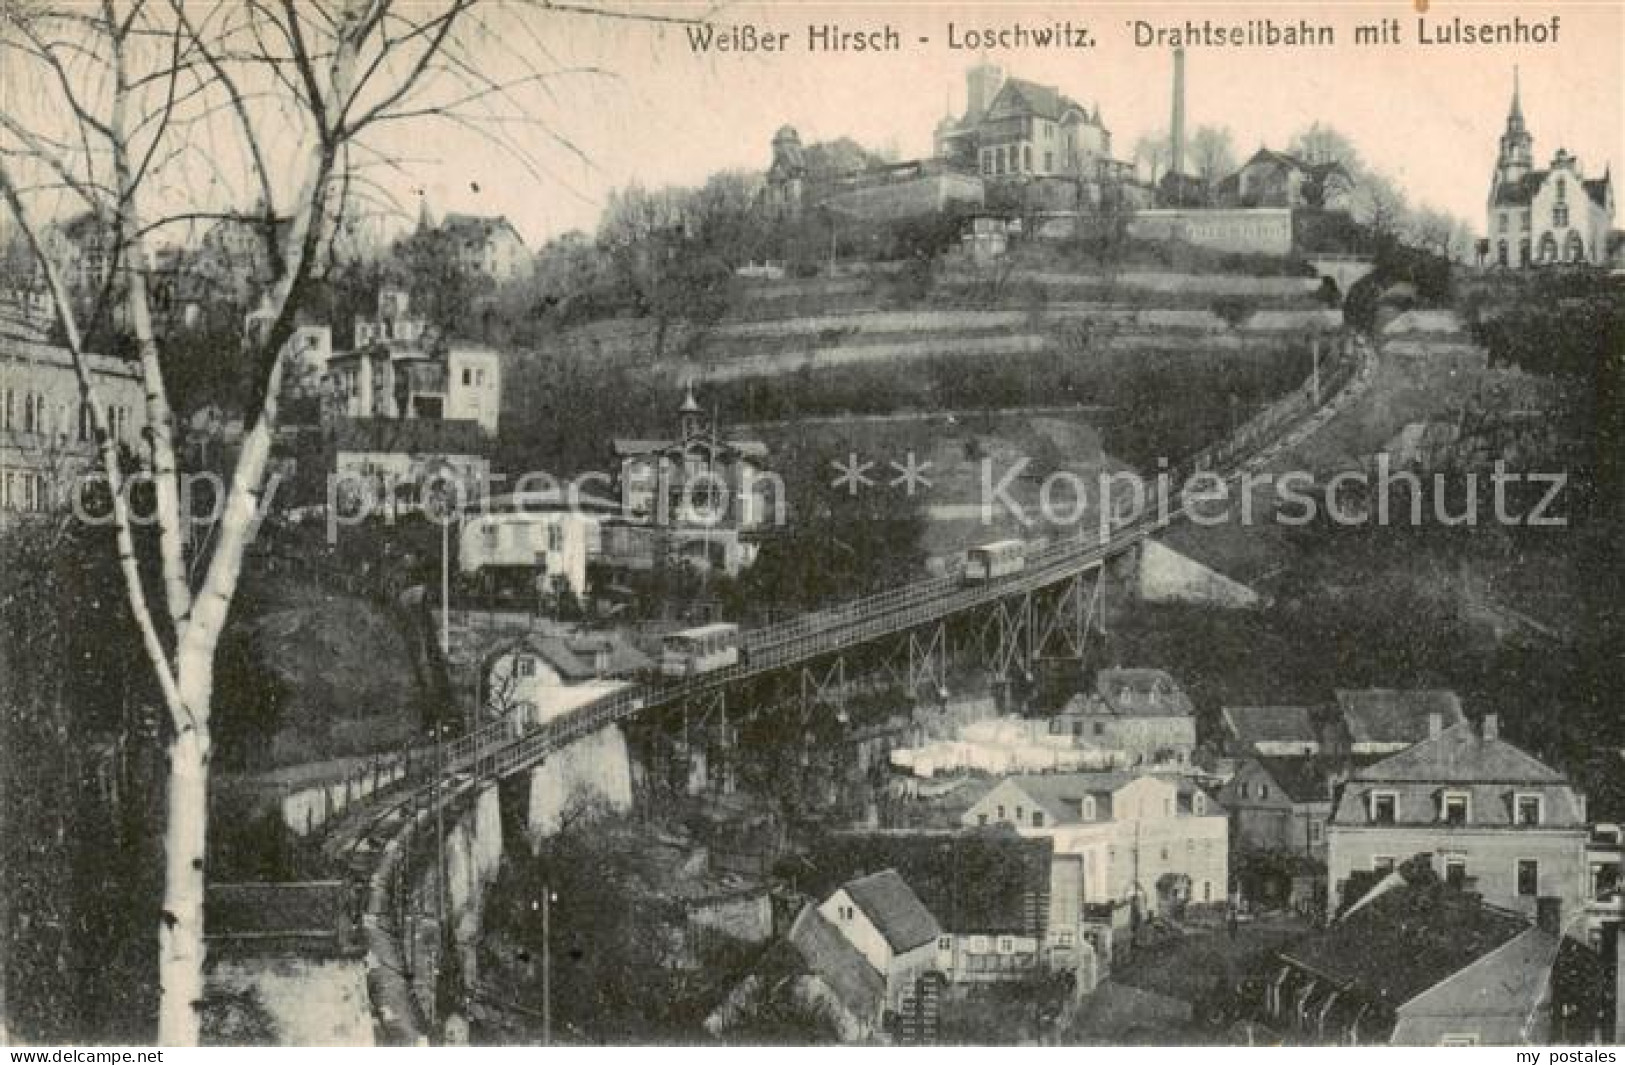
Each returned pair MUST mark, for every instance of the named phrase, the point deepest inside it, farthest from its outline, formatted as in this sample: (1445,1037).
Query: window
(1038,819)
(525,666)
(1560,215)
(1007,944)
(945,944)
(1207,891)
(1100,728)
(1317,831)
(1453,808)
(1459,1039)
(1503,222)
(468,377)
(1528,809)
(1528,877)
(981,819)
(1382,863)
(1562,190)
(1263,791)
(1455,872)
(844,912)
(555,538)
(1027,158)
(1049,162)
(1001,813)
(1063,939)
(1021,813)
(1383,807)
(1246,789)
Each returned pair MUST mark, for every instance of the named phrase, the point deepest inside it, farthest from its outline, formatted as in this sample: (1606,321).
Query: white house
(523,535)
(539,676)
(1140,839)
(888,924)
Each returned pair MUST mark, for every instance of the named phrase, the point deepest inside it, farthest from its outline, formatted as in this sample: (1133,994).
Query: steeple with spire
(690,416)
(1517,146)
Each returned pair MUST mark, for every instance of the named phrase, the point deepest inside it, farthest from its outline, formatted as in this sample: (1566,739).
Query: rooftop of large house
(988,882)
(831,956)
(1390,715)
(893,908)
(586,656)
(406,435)
(1133,693)
(1252,725)
(1301,780)
(1403,938)
(1062,795)
(1475,761)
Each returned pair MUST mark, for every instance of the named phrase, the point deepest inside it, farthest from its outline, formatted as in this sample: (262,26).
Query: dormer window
(1088,808)
(1454,807)
(1384,807)
(1199,804)
(1528,809)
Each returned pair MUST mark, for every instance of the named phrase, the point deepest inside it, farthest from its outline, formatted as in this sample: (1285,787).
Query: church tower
(690,416)
(1517,146)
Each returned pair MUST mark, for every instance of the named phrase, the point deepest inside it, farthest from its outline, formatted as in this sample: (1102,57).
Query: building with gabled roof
(852,989)
(1280,179)
(1122,839)
(1419,963)
(1483,811)
(989,891)
(488,245)
(888,925)
(1012,128)
(1142,712)
(1388,720)
(704,495)
(1271,731)
(1541,217)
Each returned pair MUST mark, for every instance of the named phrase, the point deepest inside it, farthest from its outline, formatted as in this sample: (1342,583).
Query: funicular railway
(372,844)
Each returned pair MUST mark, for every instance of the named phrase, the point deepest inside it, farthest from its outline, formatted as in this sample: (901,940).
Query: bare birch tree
(121,103)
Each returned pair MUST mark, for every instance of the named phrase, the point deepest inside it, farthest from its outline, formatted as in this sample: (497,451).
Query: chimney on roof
(1492,727)
(1549,914)
(1435,725)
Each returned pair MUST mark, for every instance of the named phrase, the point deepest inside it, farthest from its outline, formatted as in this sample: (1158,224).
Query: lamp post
(546,906)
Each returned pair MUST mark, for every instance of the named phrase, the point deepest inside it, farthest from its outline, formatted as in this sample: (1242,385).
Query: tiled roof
(1407,940)
(626,447)
(1270,724)
(1141,693)
(1061,794)
(572,656)
(896,912)
(413,436)
(1388,715)
(1492,773)
(1300,779)
(989,882)
(1597,189)
(1460,754)
(832,957)
(1045,101)
(1519,193)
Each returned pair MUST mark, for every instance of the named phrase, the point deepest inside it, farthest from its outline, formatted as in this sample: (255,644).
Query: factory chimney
(1176,129)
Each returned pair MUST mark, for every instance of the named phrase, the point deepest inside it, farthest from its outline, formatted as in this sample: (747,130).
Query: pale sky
(1428,115)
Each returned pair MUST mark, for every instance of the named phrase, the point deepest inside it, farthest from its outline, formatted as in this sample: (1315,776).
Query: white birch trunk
(180,927)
